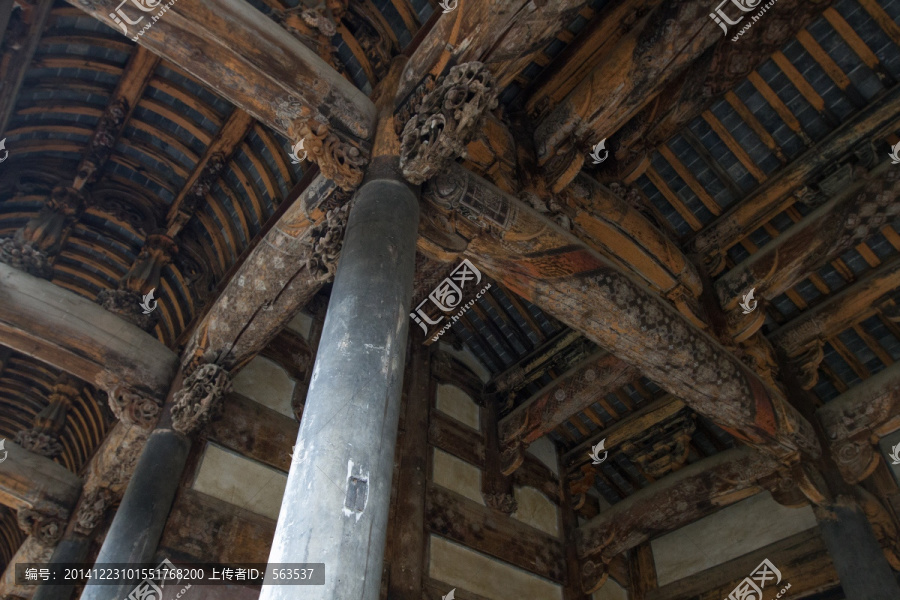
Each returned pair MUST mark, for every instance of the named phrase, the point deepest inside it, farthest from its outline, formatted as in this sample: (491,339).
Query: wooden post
(641,572)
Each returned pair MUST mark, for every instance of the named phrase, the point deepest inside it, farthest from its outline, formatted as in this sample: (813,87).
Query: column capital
(128,405)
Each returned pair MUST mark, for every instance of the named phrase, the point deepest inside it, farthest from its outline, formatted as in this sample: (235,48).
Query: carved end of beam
(34,440)
(856,458)
(130,407)
(324,244)
(47,526)
(127,304)
(200,400)
(25,257)
(447,119)
(511,458)
(594,573)
(92,509)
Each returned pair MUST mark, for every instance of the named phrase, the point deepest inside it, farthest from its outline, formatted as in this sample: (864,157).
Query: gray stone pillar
(72,549)
(139,521)
(857,555)
(335,506)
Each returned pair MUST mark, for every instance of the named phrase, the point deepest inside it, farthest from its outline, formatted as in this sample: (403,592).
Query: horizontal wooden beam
(802,558)
(683,497)
(29,481)
(855,420)
(18,60)
(255,431)
(540,262)
(58,327)
(467,522)
(871,123)
(571,393)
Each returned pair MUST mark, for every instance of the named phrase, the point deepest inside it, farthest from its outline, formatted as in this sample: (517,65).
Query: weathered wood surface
(642,572)
(569,524)
(292,353)
(466,522)
(31,551)
(496,485)
(681,498)
(204,529)
(19,60)
(408,542)
(569,394)
(255,431)
(803,338)
(872,123)
(631,74)
(855,420)
(279,277)
(277,79)
(31,481)
(802,558)
(549,267)
(59,327)
(836,226)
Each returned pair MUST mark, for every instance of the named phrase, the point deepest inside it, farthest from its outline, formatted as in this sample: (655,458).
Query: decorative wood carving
(664,447)
(446,121)
(49,422)
(132,407)
(324,244)
(200,399)
(92,508)
(47,525)
(107,132)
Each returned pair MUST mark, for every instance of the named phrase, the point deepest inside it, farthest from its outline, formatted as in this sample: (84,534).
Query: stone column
(860,562)
(72,549)
(136,529)
(335,506)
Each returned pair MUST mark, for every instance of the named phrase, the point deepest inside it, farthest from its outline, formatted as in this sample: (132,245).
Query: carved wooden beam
(540,262)
(19,58)
(803,338)
(632,73)
(681,498)
(42,491)
(537,362)
(571,393)
(856,419)
(836,226)
(717,72)
(53,325)
(276,79)
(872,123)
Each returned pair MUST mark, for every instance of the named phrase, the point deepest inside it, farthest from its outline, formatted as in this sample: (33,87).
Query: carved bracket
(46,526)
(92,508)
(324,244)
(200,399)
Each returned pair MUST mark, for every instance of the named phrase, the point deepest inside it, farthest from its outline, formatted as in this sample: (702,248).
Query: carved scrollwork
(502,502)
(128,406)
(47,526)
(324,244)
(200,399)
(92,509)
(594,573)
(447,119)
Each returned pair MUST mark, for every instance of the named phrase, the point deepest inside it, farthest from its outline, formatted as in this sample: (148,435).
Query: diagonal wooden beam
(572,392)
(276,79)
(855,420)
(872,123)
(540,262)
(30,481)
(836,226)
(19,60)
(803,338)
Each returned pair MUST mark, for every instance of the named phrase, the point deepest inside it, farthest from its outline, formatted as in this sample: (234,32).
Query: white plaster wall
(457,475)
(537,510)
(267,383)
(466,357)
(459,405)
(251,485)
(733,531)
(610,591)
(461,567)
(302,324)
(544,450)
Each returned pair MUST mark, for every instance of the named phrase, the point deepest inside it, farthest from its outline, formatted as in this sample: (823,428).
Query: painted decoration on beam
(447,297)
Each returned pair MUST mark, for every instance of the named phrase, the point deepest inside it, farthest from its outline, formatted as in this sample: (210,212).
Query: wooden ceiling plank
(825,61)
(734,147)
(778,105)
(884,20)
(849,35)
(685,174)
(673,199)
(753,123)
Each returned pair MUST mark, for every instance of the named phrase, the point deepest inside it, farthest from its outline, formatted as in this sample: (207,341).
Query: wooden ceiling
(723,150)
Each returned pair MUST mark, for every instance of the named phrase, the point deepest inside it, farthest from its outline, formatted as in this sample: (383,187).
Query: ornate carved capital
(324,244)
(104,140)
(446,121)
(129,406)
(92,509)
(200,399)
(34,440)
(47,526)
(24,256)
(502,502)
(127,304)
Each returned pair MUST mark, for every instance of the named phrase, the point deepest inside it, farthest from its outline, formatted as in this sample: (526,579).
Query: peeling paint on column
(357,493)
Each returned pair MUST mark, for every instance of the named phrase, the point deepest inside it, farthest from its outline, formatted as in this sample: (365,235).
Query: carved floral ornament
(200,399)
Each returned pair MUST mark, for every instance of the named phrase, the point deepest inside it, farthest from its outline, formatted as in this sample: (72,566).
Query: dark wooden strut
(540,262)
